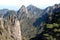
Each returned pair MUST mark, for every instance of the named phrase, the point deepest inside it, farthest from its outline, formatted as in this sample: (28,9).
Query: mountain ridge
(27,22)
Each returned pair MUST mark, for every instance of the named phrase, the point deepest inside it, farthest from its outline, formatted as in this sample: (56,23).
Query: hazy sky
(16,4)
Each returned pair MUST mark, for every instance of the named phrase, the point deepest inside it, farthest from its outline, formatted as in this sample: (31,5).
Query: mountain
(30,23)
(34,11)
(10,13)
(26,23)
(47,14)
(22,12)
(10,29)
(10,26)
(51,27)
(3,11)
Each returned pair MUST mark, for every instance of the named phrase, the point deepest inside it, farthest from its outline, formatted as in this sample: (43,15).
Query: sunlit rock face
(14,29)
(17,30)
(10,26)
(22,13)
(13,25)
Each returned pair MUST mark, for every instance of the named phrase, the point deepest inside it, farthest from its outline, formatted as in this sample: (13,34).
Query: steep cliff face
(22,13)
(17,30)
(10,27)
(4,35)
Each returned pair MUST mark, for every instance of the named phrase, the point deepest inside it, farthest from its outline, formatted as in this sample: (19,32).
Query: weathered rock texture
(10,27)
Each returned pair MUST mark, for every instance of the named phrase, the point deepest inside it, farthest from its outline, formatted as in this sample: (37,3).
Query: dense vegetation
(51,29)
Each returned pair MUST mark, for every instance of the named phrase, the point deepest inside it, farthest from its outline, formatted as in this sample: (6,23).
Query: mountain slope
(2,12)
(22,13)
(51,28)
(30,23)
(34,11)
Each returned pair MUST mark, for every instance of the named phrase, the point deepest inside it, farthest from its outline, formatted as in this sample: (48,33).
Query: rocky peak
(32,7)
(56,6)
(53,7)
(34,11)
(22,13)
(23,9)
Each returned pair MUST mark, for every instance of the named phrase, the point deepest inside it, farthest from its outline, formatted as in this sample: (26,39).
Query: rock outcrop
(10,26)
(17,30)
(22,13)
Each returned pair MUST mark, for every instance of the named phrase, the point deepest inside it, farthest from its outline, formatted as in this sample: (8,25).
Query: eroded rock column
(17,30)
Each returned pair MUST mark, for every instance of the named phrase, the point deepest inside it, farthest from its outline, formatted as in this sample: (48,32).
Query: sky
(16,4)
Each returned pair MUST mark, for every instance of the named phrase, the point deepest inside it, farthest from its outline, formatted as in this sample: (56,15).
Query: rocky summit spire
(22,12)
(23,9)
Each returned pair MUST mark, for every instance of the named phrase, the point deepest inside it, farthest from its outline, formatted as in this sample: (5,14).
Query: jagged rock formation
(34,11)
(4,35)
(26,23)
(22,12)
(11,25)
